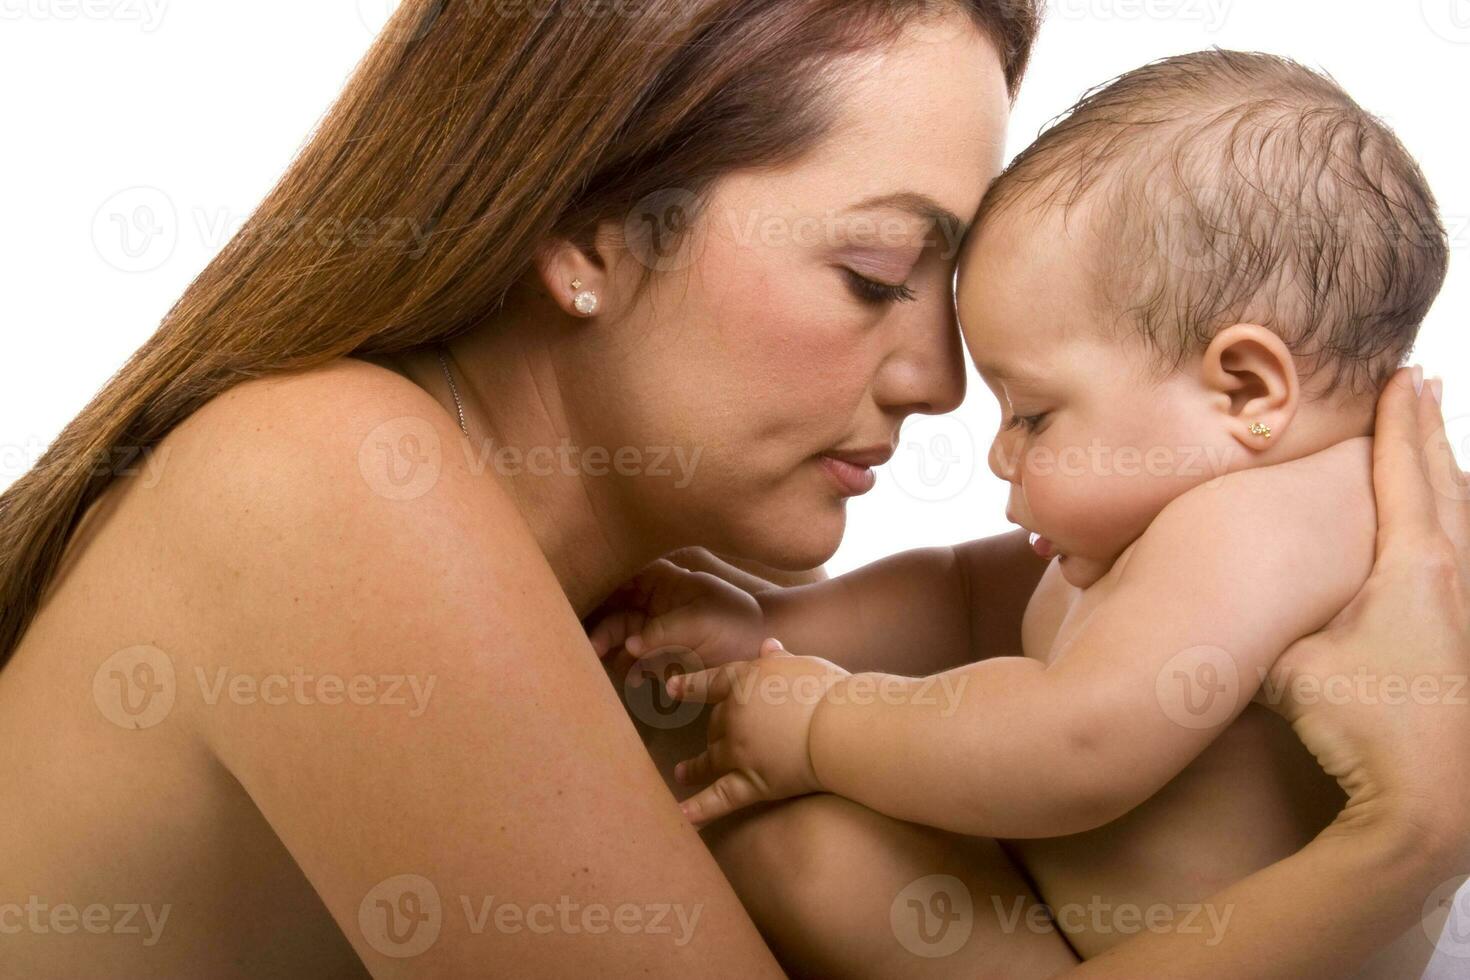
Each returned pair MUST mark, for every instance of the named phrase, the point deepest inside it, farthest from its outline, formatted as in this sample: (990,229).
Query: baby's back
(1254,797)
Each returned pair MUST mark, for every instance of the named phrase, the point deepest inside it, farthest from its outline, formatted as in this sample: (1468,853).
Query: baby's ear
(1255,376)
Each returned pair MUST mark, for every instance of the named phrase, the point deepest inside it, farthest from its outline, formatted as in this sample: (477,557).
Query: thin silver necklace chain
(453,390)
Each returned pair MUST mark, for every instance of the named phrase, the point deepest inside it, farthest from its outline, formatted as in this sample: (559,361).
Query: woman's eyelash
(871,291)
(1029,421)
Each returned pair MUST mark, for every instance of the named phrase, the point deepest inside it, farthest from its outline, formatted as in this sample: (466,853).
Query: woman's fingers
(610,631)
(1452,494)
(1406,501)
(725,795)
(700,769)
(679,627)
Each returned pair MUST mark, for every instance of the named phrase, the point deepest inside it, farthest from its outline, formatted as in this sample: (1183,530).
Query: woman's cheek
(812,359)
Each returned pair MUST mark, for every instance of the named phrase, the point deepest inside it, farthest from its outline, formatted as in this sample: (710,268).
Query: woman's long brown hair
(493,126)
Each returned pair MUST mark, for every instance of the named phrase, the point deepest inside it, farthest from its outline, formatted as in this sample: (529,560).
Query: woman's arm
(1406,828)
(1320,913)
(508,821)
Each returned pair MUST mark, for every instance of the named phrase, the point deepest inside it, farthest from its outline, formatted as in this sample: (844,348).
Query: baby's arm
(1223,581)
(915,613)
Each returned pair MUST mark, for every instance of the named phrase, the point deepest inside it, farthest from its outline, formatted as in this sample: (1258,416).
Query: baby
(1186,297)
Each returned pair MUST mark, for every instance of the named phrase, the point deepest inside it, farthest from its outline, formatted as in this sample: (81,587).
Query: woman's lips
(851,479)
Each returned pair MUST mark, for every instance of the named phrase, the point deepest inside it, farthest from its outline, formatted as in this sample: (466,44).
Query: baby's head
(1210,248)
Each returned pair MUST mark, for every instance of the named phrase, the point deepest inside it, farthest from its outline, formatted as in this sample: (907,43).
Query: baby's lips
(1043,546)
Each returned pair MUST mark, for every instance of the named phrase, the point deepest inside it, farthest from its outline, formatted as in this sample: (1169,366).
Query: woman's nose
(925,373)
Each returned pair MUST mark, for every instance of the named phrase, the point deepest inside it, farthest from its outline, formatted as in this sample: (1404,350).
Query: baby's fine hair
(1228,187)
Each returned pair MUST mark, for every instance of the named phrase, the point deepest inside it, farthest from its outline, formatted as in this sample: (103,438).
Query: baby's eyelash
(1029,421)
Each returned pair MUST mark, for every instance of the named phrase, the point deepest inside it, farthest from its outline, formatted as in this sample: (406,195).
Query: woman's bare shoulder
(337,496)
(380,656)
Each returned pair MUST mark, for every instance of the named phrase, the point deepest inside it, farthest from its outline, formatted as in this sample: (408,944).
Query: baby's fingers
(708,686)
(724,796)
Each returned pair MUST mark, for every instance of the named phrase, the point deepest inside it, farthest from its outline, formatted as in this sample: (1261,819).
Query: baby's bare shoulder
(1311,521)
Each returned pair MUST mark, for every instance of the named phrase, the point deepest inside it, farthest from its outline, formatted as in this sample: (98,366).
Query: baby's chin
(1081,572)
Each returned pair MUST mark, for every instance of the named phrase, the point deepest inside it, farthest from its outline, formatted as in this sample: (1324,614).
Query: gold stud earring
(1261,429)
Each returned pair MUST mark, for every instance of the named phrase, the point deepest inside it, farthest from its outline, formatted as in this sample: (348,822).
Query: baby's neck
(1319,424)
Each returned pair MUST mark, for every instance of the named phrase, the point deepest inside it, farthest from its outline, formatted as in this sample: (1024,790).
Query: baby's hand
(757,732)
(666,606)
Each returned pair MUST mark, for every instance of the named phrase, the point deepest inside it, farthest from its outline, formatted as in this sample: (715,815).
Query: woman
(309,686)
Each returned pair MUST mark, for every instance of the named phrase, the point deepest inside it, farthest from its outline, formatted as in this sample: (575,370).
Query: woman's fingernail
(1418,377)
(775,644)
(679,772)
(633,644)
(675,685)
(1436,387)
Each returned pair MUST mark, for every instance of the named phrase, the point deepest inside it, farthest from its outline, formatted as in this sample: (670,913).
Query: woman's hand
(1400,746)
(758,732)
(667,607)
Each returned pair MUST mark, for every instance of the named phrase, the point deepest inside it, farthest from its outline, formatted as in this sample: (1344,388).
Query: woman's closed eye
(877,293)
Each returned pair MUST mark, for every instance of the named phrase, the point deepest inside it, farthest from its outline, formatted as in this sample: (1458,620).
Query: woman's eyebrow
(915,203)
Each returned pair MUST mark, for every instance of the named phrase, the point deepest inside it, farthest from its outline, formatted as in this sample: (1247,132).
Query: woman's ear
(576,278)
(1254,374)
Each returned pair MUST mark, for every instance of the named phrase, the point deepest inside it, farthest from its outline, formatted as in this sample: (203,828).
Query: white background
(179,115)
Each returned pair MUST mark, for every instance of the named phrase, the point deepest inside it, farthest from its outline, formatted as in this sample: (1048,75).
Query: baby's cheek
(1097,512)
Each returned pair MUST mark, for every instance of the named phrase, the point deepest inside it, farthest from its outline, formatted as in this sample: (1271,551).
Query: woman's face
(815,312)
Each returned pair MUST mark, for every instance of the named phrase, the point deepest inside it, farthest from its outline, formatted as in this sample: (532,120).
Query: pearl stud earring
(585,302)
